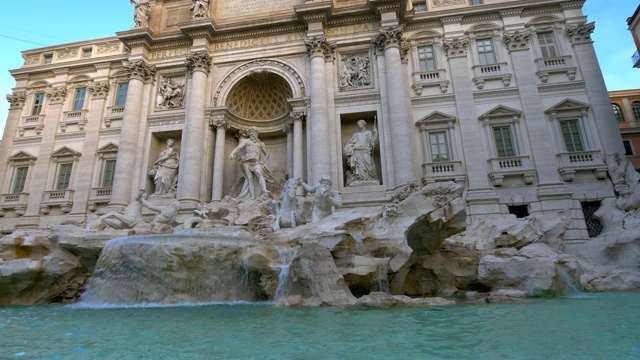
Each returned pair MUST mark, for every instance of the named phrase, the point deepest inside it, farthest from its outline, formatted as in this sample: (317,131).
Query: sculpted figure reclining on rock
(131,215)
(165,214)
(326,198)
(287,215)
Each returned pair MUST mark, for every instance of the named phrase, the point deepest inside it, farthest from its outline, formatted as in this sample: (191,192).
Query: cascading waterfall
(284,283)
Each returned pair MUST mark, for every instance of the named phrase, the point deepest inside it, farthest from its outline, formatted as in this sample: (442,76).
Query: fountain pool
(591,326)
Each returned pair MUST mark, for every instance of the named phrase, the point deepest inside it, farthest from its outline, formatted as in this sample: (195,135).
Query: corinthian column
(193,133)
(389,41)
(139,73)
(318,49)
(218,158)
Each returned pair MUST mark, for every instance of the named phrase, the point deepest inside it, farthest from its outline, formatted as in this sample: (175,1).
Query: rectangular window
(439,146)
(78,100)
(20,179)
(121,96)
(38,100)
(48,59)
(504,142)
(64,176)
(628,150)
(486,53)
(419,7)
(426,58)
(571,134)
(476,2)
(547,44)
(109,170)
(86,53)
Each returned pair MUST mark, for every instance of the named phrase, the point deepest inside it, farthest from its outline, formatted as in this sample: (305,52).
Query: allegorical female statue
(141,13)
(200,8)
(359,153)
(165,171)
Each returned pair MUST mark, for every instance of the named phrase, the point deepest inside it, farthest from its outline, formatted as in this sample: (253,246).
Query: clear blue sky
(44,22)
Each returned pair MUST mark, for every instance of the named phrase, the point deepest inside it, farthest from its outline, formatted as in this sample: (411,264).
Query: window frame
(617,113)
(19,181)
(18,160)
(433,60)
(635,108)
(628,147)
(78,102)
(447,145)
(482,60)
(544,47)
(119,95)
(63,180)
(38,105)
(501,145)
(570,145)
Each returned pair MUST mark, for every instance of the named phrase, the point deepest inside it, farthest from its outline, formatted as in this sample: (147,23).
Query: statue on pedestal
(200,8)
(359,153)
(141,13)
(165,171)
(253,162)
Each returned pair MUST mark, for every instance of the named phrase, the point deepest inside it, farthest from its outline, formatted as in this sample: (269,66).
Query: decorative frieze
(67,54)
(319,46)
(56,95)
(108,47)
(581,34)
(140,70)
(16,100)
(456,47)
(388,37)
(519,40)
(442,3)
(198,61)
(99,90)
(355,71)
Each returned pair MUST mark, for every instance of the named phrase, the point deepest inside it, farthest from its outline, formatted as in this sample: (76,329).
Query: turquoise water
(598,326)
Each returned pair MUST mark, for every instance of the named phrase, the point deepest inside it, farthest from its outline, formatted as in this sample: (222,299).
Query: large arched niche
(260,93)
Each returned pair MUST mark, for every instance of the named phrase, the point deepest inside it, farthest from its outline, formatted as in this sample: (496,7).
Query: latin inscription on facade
(260,41)
(171,53)
(351,29)
(236,8)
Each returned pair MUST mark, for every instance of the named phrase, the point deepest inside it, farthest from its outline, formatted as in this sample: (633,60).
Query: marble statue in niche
(200,9)
(355,72)
(165,171)
(141,13)
(170,94)
(359,154)
(253,163)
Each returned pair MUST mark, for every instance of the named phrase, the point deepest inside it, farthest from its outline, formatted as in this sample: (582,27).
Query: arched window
(636,109)
(618,113)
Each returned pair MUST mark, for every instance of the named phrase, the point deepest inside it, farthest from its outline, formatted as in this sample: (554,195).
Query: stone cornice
(388,37)
(199,28)
(491,94)
(198,61)
(56,95)
(315,11)
(581,34)
(518,40)
(319,46)
(574,85)
(140,70)
(137,37)
(17,100)
(259,33)
(433,99)
(456,47)
(167,119)
(99,90)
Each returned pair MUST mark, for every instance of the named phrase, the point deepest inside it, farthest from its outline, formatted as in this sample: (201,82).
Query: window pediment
(487,29)
(544,21)
(436,118)
(501,111)
(109,148)
(22,156)
(569,105)
(65,152)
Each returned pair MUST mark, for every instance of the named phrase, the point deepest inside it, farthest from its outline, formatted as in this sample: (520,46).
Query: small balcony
(16,202)
(561,64)
(31,125)
(99,195)
(515,166)
(572,162)
(425,79)
(72,119)
(483,73)
(636,59)
(443,171)
(113,113)
(60,198)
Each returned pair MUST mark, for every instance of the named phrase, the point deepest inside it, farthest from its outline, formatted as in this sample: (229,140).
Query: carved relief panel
(171,92)
(354,71)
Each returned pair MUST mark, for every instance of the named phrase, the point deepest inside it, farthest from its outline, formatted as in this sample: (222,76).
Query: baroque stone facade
(507,100)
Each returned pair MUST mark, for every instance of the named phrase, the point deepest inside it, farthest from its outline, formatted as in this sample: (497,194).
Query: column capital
(581,34)
(518,40)
(98,90)
(457,47)
(56,95)
(17,100)
(319,46)
(198,61)
(287,127)
(219,123)
(388,37)
(140,70)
